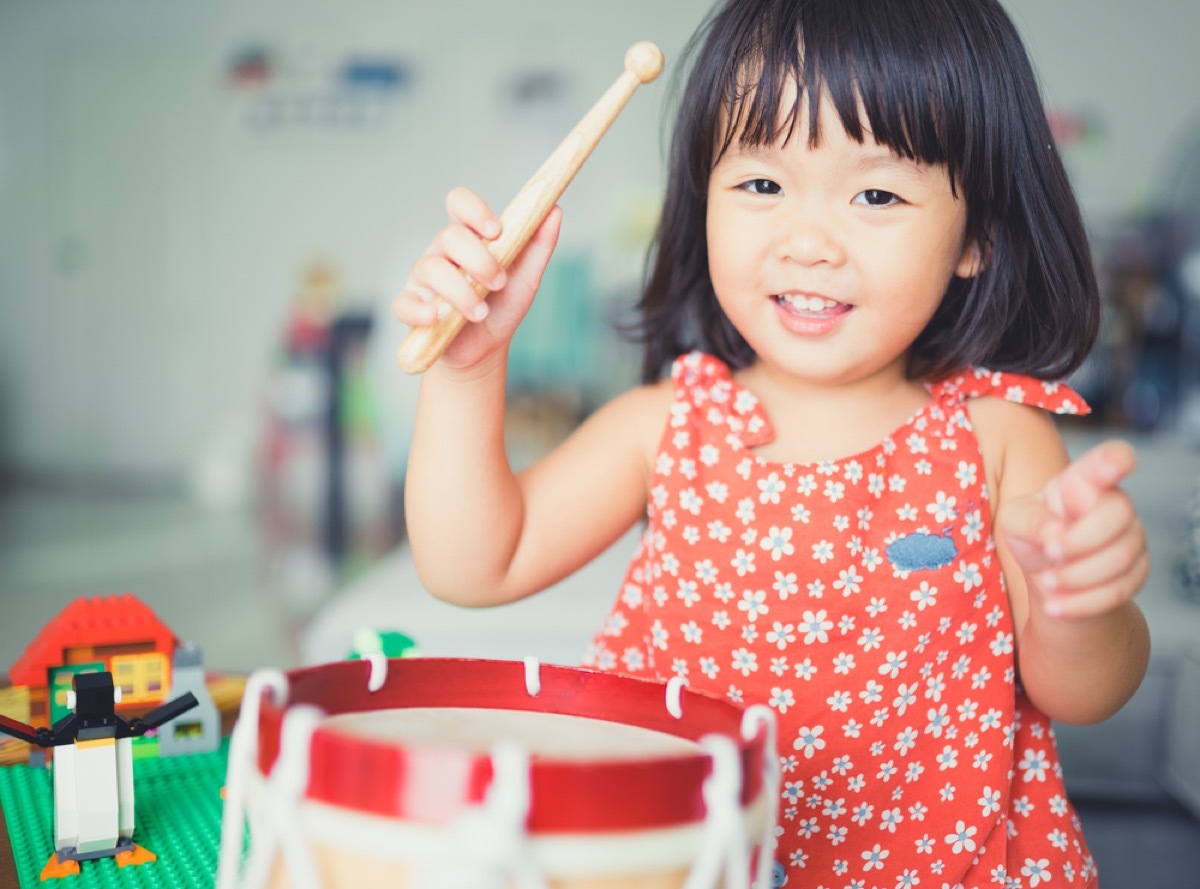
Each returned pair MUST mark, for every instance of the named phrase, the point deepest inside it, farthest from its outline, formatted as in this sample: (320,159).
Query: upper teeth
(809,303)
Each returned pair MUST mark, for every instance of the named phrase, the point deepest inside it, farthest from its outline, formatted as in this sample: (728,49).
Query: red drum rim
(432,785)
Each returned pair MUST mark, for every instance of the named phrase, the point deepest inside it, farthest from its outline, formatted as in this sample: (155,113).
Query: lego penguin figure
(93,773)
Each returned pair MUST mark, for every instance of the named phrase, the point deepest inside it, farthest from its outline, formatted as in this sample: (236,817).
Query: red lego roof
(96,621)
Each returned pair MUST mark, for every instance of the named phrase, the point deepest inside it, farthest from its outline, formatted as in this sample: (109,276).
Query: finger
(1098,567)
(465,206)
(1101,599)
(415,306)
(463,247)
(437,274)
(1076,489)
(1112,516)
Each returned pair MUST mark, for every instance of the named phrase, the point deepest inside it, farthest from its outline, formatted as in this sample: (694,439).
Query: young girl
(847,516)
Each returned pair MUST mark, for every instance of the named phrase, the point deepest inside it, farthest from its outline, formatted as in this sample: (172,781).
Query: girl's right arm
(480,533)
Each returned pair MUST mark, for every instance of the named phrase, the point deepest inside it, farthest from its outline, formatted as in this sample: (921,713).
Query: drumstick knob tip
(644,60)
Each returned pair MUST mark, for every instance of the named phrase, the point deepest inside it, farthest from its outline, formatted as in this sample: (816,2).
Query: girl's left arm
(1074,555)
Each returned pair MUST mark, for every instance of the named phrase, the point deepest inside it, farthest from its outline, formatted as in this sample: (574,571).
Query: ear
(971,262)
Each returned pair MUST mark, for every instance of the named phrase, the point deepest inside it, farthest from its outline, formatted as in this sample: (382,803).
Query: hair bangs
(789,57)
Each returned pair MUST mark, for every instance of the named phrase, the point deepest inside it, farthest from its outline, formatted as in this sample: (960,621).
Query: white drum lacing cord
(277,825)
(723,838)
(488,846)
(754,717)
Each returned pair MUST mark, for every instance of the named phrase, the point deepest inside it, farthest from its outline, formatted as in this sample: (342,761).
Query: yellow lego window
(142,677)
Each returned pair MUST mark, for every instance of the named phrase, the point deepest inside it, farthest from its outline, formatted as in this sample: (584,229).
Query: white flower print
(753,603)
(849,581)
(785,584)
(1002,644)
(1037,871)
(692,632)
(822,551)
(870,639)
(905,695)
(967,474)
(839,701)
(690,501)
(709,455)
(778,542)
(938,720)
(816,627)
(781,635)
(972,529)
(990,801)
(889,819)
(843,663)
(658,634)
(874,858)
(781,699)
(835,491)
(947,759)
(805,670)
(723,592)
(924,595)
(809,740)
(745,662)
(745,511)
(862,813)
(942,508)
(961,838)
(687,593)
(968,576)
(770,488)
(806,484)
(719,531)
(895,662)
(743,563)
(708,666)
(1034,765)
(905,740)
(706,571)
(801,514)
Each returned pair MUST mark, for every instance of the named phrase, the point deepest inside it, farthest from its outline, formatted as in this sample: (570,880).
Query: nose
(808,235)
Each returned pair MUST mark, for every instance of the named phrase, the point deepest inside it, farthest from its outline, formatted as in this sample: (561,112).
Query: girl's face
(831,260)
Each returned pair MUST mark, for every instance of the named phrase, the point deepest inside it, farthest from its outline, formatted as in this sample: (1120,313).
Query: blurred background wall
(171,173)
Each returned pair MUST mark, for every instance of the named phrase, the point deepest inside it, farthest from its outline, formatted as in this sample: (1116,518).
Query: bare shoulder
(1020,444)
(635,416)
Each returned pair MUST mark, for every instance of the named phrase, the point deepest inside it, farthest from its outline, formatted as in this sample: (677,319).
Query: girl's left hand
(1078,540)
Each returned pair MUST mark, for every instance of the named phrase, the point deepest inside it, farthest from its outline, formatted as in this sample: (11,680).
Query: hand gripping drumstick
(521,218)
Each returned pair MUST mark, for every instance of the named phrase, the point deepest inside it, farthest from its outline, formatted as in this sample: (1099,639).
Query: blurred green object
(558,343)
(389,643)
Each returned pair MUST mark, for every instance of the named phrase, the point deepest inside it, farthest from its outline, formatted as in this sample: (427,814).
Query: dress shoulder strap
(980,382)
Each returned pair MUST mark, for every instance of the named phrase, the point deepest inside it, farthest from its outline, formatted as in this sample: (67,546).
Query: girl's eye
(875,197)
(761,186)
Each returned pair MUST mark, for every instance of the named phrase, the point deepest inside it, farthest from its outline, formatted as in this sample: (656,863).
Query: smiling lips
(809,314)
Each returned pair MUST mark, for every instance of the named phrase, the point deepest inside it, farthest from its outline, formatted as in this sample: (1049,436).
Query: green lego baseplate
(177,817)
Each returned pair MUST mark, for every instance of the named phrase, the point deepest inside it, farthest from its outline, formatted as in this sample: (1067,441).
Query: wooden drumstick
(521,218)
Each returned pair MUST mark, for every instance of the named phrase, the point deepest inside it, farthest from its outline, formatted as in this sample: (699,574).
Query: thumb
(1026,523)
(531,262)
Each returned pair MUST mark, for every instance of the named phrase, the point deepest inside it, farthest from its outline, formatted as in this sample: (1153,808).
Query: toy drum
(429,773)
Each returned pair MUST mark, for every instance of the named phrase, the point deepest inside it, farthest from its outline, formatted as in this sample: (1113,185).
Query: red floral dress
(863,601)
